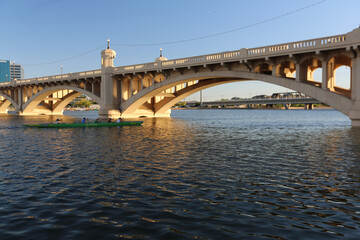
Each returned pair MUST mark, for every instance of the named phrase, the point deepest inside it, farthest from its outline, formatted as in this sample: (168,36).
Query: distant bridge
(264,101)
(151,89)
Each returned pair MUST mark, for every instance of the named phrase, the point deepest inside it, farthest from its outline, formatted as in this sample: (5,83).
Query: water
(203,174)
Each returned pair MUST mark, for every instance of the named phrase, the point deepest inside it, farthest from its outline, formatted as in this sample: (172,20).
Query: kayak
(76,125)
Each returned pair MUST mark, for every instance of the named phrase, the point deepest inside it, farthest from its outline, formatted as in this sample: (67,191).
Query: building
(16,71)
(4,71)
(9,71)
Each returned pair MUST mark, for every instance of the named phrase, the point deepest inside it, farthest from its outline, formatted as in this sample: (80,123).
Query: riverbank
(260,108)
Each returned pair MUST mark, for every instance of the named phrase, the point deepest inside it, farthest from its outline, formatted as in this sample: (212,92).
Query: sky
(44,35)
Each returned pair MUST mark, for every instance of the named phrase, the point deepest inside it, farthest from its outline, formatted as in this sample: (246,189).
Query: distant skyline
(44,35)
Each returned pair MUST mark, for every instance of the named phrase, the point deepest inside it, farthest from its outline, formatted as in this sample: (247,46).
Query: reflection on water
(211,174)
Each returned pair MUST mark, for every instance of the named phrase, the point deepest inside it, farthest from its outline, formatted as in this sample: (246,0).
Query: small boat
(77,125)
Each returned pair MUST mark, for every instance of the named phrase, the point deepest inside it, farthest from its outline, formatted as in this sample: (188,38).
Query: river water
(202,174)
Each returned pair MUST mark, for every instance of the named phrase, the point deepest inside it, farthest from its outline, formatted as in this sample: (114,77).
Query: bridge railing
(55,78)
(136,67)
(241,54)
(204,58)
(317,43)
(181,61)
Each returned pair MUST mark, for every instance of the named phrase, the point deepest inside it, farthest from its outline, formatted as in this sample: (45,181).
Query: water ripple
(202,174)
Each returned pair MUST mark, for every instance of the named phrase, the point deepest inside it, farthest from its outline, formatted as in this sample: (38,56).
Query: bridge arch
(32,104)
(209,79)
(6,103)
(167,103)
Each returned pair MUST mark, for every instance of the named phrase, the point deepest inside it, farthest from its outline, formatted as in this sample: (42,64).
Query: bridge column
(325,74)
(131,87)
(328,74)
(273,69)
(121,83)
(19,100)
(108,86)
(354,113)
(301,72)
(308,106)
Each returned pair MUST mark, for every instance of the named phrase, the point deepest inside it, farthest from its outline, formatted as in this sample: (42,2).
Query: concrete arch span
(31,107)
(163,106)
(132,106)
(335,100)
(209,79)
(6,103)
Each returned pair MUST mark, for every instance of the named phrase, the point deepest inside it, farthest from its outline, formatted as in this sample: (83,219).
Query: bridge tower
(109,86)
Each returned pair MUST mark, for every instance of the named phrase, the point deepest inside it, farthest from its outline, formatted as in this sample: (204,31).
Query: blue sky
(43,35)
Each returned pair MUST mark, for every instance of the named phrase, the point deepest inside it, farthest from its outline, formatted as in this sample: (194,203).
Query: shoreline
(291,108)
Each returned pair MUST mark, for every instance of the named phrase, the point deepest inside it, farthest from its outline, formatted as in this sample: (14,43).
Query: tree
(83,103)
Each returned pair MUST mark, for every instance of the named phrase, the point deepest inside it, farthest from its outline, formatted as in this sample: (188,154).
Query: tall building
(16,71)
(9,71)
(4,71)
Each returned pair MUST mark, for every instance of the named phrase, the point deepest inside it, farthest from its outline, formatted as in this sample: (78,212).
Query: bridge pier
(354,113)
(109,87)
(308,106)
(355,122)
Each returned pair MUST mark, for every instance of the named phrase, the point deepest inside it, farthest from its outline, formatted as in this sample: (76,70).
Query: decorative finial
(160,52)
(108,47)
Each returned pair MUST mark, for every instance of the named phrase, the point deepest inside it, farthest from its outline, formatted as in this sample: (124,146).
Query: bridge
(150,89)
(308,102)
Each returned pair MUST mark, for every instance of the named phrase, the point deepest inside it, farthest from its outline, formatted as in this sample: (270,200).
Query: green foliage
(83,103)
(297,105)
(180,104)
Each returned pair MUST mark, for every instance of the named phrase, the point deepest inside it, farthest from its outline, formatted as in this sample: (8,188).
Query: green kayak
(76,125)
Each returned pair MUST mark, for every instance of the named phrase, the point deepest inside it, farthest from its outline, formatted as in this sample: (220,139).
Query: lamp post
(61,69)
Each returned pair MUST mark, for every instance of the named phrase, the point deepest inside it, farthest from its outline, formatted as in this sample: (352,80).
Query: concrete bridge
(150,89)
(308,102)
